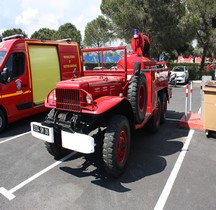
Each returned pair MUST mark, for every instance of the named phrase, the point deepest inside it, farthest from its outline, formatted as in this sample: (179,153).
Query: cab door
(15,92)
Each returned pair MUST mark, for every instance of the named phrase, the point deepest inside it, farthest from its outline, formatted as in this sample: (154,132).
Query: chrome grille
(67,99)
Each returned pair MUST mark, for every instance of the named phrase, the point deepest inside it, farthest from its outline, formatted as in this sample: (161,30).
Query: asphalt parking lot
(172,169)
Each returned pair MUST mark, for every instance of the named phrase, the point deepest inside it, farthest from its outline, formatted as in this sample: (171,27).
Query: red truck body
(28,70)
(110,102)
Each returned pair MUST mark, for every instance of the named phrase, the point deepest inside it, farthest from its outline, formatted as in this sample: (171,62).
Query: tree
(13,31)
(68,30)
(170,30)
(126,15)
(98,32)
(162,20)
(202,15)
(43,34)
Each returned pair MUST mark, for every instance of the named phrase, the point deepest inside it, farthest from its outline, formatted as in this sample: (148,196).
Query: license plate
(41,129)
(42,132)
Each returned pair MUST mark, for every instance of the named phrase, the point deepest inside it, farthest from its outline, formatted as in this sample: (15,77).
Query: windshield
(2,55)
(178,69)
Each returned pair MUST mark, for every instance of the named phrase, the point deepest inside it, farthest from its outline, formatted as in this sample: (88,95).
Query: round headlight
(88,99)
(52,98)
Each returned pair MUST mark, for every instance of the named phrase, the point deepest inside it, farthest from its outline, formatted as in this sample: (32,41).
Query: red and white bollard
(190,101)
(186,99)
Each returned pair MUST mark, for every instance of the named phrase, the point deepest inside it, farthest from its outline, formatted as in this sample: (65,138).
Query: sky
(32,15)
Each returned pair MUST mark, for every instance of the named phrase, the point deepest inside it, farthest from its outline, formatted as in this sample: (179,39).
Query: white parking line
(14,137)
(9,193)
(169,184)
(162,199)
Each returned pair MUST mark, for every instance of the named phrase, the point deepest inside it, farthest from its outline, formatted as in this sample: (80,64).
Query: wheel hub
(122,146)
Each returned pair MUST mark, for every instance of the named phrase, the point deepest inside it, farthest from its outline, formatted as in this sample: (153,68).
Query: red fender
(105,103)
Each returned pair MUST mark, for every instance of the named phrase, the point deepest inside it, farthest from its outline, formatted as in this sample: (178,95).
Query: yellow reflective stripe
(15,94)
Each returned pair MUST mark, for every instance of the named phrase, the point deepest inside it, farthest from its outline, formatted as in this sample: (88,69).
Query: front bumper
(73,141)
(180,79)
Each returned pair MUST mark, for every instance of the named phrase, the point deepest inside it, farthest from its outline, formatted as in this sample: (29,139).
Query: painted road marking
(163,197)
(9,193)
(23,134)
(169,184)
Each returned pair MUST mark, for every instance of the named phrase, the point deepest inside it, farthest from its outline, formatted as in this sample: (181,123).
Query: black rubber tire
(137,95)
(56,149)
(208,134)
(154,122)
(99,137)
(163,100)
(116,145)
(3,121)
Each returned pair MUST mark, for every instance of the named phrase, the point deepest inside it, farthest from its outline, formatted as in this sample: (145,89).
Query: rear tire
(163,100)
(154,123)
(116,145)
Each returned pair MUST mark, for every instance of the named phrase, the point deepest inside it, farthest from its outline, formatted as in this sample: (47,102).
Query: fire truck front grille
(67,99)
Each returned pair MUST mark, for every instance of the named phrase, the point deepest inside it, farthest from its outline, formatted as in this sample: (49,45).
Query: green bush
(211,73)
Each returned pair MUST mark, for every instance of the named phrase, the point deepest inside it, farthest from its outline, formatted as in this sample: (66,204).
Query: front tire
(56,149)
(3,121)
(116,145)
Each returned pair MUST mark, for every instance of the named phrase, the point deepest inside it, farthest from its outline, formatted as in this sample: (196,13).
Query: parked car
(182,75)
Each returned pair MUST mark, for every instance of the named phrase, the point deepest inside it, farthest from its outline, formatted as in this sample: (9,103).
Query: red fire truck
(28,70)
(99,110)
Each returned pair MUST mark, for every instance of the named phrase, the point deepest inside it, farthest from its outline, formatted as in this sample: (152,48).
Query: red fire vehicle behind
(28,70)
(109,102)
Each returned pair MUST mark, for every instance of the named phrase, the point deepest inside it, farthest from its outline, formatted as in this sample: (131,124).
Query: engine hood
(81,82)
(95,85)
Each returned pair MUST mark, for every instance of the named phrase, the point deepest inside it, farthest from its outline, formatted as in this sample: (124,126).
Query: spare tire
(137,95)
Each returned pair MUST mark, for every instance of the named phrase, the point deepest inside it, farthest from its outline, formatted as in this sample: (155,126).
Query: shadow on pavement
(174,115)
(147,157)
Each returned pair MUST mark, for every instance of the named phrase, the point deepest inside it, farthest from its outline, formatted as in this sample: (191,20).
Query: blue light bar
(136,33)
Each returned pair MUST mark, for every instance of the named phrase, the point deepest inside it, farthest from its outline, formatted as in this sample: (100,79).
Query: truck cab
(28,70)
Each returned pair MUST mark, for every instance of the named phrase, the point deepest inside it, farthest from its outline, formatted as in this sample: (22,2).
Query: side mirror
(4,75)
